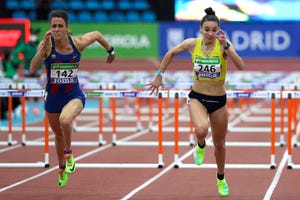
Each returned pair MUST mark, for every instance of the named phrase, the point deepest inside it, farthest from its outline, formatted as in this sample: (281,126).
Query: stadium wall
(152,40)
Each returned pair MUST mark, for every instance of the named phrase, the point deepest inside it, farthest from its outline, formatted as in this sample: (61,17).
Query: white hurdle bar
(243,94)
(182,94)
(46,163)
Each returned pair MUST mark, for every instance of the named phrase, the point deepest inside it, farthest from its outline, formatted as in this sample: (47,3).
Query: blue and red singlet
(62,80)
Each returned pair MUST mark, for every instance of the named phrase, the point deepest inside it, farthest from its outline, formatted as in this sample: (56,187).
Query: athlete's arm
(41,53)
(186,45)
(230,51)
(89,38)
(236,59)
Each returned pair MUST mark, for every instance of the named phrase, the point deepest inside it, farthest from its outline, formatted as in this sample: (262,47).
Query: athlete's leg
(69,112)
(59,137)
(60,146)
(219,122)
(199,117)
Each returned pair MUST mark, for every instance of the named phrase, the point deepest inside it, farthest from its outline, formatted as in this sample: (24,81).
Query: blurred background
(147,28)
(264,32)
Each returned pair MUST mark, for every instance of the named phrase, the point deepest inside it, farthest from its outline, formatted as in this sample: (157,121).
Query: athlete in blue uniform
(207,98)
(64,99)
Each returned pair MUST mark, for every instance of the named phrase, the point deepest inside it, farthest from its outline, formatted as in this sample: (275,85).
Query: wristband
(111,51)
(227,46)
(159,73)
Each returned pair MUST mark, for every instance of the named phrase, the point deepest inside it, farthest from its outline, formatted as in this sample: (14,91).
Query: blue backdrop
(257,40)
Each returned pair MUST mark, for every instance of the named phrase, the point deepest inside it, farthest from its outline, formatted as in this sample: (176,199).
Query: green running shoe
(70,163)
(62,178)
(199,155)
(222,187)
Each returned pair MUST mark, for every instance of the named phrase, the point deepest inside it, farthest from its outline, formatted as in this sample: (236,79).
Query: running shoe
(199,155)
(62,178)
(222,187)
(70,163)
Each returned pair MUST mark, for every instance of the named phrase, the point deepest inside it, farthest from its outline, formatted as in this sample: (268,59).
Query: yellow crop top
(211,67)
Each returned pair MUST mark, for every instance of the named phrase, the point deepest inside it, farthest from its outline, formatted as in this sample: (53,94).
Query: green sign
(130,40)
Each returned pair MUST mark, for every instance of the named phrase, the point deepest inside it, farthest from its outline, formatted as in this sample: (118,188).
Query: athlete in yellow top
(207,99)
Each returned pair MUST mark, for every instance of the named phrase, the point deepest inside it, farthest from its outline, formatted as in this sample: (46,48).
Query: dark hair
(210,16)
(61,14)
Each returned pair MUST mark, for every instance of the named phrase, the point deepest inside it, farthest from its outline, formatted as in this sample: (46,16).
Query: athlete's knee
(201,131)
(219,145)
(65,121)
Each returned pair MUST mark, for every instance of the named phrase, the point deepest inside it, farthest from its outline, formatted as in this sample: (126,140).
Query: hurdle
(115,142)
(243,94)
(160,129)
(113,95)
(100,129)
(8,83)
(144,94)
(293,98)
(10,93)
(176,94)
(138,111)
(295,109)
(44,164)
(23,93)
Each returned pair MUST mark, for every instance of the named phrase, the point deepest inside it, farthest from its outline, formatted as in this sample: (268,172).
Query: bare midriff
(213,88)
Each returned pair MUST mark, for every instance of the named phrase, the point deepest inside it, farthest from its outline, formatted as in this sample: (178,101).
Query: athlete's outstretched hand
(155,84)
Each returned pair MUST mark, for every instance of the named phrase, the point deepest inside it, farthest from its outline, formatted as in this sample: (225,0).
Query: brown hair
(61,14)
(210,16)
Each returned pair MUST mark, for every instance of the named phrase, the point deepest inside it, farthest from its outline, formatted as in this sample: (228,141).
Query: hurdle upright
(272,95)
(115,142)
(23,93)
(292,138)
(4,86)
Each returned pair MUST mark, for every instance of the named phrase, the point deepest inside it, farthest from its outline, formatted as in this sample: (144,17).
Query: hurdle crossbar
(272,144)
(182,94)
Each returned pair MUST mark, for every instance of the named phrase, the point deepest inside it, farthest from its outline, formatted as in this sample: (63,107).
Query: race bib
(63,73)
(207,68)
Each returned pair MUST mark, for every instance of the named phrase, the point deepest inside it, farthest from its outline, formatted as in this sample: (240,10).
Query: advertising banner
(255,40)
(130,40)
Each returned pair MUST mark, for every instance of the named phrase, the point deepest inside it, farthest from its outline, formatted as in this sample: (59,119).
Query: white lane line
(171,166)
(51,136)
(102,148)
(135,135)
(28,179)
(151,180)
(276,178)
(53,168)
(157,176)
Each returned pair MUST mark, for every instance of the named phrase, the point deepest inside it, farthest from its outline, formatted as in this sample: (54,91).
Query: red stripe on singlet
(68,87)
(54,88)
